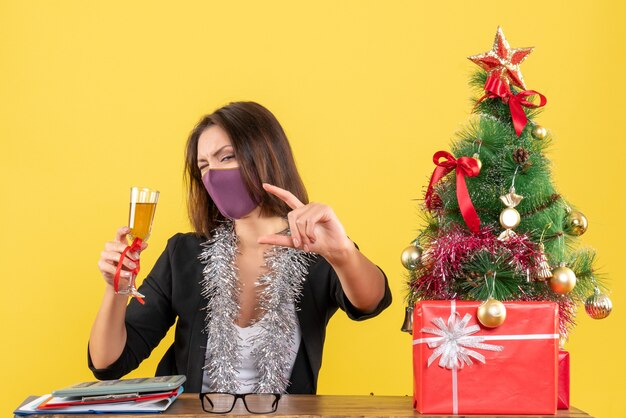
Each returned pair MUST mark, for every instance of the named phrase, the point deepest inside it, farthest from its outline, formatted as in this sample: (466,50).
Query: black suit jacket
(172,291)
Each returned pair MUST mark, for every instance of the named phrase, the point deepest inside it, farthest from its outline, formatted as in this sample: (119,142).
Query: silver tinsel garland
(281,287)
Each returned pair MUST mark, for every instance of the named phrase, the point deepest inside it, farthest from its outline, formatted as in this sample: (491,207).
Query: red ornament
(503,61)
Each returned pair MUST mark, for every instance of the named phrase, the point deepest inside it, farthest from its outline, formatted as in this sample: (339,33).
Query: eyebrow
(202,160)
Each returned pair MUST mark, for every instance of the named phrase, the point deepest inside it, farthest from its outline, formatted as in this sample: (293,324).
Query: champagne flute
(140,216)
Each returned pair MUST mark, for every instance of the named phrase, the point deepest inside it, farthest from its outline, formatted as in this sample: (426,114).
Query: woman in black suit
(252,289)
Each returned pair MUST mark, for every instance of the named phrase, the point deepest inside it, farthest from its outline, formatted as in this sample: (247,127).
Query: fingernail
(296,242)
(126,273)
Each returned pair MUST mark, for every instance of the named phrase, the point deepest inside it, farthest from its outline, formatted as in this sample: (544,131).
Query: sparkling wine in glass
(143,203)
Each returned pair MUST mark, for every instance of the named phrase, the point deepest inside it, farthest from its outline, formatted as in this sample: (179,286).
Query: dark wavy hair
(264,156)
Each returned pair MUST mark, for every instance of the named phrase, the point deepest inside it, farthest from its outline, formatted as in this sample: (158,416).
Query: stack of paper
(146,395)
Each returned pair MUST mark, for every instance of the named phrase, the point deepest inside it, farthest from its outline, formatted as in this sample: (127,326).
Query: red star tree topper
(503,61)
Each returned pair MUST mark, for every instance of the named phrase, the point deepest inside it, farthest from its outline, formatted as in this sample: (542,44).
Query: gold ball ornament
(576,223)
(598,305)
(563,280)
(539,132)
(477,158)
(411,257)
(509,218)
(491,313)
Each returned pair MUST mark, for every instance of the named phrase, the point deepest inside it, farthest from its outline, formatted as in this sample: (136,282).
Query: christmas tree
(496,228)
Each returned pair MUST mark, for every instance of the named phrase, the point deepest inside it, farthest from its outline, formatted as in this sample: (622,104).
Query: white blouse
(247,373)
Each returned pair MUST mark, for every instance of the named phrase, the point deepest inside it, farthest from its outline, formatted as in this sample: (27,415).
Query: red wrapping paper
(520,379)
(563,386)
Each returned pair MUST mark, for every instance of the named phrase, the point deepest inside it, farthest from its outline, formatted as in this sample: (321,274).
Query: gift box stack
(495,276)
(462,367)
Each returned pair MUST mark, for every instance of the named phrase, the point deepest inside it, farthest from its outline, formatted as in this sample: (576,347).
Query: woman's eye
(227,158)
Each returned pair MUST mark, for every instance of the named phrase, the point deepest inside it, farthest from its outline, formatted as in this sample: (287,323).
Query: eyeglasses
(255,403)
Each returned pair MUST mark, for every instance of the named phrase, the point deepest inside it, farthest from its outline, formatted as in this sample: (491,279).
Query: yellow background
(99,96)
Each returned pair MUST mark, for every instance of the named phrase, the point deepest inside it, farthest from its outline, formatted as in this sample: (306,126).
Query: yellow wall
(99,96)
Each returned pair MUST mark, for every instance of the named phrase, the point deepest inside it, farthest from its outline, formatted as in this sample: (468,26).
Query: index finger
(275,239)
(284,195)
(120,235)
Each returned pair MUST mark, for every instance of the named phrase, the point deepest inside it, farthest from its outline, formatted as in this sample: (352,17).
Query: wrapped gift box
(563,386)
(512,370)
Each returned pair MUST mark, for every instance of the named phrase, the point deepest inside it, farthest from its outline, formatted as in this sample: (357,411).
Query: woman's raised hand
(314,227)
(110,257)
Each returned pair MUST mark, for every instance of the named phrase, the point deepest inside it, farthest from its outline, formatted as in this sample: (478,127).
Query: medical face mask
(228,191)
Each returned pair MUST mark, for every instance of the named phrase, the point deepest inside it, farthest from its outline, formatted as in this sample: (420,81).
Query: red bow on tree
(465,166)
(497,87)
